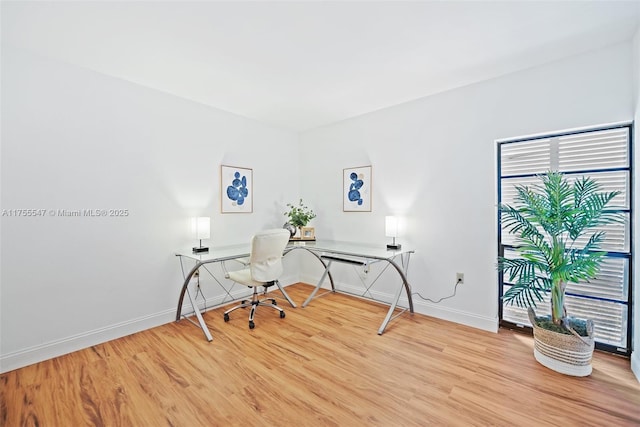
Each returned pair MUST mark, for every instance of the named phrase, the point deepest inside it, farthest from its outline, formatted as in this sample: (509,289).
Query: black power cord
(455,288)
(199,289)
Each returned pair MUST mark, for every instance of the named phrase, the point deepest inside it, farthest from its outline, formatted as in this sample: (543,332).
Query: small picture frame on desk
(308,233)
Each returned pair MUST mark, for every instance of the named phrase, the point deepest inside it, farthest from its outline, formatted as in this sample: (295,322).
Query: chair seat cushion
(244,278)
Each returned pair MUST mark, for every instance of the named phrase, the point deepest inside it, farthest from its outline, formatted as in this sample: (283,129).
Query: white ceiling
(299,65)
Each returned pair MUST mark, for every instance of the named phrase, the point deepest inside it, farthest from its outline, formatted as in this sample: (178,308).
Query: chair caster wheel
(251,324)
(226,317)
(282,314)
(274,302)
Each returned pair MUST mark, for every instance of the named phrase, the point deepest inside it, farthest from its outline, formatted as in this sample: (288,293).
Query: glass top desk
(326,251)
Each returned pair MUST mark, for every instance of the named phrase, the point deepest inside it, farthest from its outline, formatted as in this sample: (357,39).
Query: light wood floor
(323,365)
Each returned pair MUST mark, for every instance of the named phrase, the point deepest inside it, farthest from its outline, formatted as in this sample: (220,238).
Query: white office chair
(265,267)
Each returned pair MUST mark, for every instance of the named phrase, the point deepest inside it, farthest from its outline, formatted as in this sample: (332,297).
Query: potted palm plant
(558,230)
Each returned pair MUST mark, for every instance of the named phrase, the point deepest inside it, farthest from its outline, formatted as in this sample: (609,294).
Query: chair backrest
(266,254)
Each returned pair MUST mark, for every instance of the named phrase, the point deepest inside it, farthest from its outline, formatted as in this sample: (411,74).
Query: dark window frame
(627,255)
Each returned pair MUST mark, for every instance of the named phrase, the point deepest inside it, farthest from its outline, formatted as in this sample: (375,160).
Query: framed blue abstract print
(356,189)
(236,189)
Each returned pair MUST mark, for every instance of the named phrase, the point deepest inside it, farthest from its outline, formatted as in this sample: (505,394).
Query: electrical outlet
(459,278)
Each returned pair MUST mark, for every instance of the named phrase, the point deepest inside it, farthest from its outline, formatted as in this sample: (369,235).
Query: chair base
(254,303)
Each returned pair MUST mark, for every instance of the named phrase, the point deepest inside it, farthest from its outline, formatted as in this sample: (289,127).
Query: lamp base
(200,249)
(394,246)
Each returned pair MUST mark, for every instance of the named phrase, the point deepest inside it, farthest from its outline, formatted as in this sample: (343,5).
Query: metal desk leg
(394,304)
(396,298)
(284,293)
(312,252)
(313,294)
(194,305)
(199,316)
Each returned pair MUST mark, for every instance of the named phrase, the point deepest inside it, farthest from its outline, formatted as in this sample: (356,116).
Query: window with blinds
(604,155)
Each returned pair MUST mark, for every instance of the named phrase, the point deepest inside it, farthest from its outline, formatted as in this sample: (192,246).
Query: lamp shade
(201,227)
(391,226)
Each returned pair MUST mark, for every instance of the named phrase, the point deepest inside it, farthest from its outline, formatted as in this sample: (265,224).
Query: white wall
(635,356)
(75,139)
(434,162)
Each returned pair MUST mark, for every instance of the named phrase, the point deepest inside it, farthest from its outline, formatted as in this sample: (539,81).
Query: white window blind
(603,155)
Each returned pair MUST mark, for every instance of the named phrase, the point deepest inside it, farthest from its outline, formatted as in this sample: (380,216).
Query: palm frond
(589,205)
(515,222)
(549,219)
(527,294)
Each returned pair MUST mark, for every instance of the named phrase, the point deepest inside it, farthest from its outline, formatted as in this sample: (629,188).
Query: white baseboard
(39,353)
(35,354)
(635,364)
(488,324)
(465,318)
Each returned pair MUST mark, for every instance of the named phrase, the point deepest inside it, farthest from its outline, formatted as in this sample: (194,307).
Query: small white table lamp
(391,230)
(201,229)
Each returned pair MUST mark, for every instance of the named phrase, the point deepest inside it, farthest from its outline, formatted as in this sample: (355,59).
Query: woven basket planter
(563,353)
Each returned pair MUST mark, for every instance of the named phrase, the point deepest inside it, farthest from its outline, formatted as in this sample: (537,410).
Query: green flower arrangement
(300,215)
